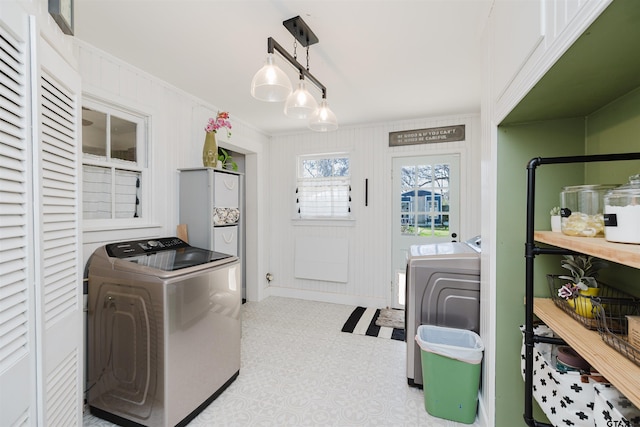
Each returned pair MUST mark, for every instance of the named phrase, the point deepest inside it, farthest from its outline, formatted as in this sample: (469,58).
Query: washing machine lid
(444,248)
(166,254)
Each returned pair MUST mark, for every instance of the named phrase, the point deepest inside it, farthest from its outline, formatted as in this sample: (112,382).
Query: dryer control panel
(144,247)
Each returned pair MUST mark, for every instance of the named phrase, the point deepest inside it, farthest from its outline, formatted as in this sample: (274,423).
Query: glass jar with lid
(622,212)
(582,209)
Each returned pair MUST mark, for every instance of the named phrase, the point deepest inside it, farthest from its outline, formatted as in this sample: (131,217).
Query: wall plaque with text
(427,136)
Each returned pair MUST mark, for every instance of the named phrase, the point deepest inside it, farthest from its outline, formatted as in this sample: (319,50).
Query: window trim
(143,132)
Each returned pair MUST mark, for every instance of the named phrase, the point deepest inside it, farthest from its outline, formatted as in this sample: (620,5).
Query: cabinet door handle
(230,184)
(227,239)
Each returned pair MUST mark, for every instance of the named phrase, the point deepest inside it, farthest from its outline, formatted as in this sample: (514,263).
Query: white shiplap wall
(176,142)
(176,136)
(369,236)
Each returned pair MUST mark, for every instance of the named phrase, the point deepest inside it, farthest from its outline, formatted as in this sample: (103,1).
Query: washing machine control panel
(142,247)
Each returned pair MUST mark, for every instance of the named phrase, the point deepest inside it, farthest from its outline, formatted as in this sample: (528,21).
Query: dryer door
(452,300)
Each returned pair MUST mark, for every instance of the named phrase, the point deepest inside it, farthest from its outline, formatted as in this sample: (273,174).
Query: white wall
(369,276)
(176,138)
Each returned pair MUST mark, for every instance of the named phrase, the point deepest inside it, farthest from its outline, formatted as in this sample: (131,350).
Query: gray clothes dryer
(443,289)
(163,332)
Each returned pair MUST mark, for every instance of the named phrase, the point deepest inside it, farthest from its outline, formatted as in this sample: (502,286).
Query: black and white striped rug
(363,322)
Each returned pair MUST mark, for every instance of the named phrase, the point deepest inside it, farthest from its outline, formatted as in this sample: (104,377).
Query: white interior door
(58,247)
(17,300)
(426,200)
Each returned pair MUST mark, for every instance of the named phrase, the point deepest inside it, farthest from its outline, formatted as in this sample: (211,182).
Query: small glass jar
(622,212)
(583,209)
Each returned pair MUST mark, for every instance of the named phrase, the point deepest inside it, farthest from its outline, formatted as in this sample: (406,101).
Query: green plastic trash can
(451,361)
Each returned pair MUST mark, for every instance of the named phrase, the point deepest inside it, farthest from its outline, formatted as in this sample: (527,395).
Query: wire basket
(582,308)
(613,325)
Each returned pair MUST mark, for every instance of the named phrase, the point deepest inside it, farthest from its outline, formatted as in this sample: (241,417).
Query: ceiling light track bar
(273,45)
(301,31)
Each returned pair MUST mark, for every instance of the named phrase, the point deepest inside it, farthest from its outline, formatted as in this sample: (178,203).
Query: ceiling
(381,60)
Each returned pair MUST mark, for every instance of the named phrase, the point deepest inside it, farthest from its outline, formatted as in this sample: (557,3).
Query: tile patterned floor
(299,369)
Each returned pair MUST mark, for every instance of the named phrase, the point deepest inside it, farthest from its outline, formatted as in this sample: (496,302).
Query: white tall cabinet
(211,207)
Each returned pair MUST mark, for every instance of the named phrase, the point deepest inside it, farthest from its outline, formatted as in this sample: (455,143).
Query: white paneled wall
(369,234)
(176,135)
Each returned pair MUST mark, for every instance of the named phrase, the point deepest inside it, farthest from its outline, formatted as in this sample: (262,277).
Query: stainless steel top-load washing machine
(164,330)
(443,289)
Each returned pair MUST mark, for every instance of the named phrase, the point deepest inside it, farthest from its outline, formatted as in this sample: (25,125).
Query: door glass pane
(424,226)
(407,175)
(123,139)
(407,195)
(405,216)
(442,191)
(424,176)
(445,222)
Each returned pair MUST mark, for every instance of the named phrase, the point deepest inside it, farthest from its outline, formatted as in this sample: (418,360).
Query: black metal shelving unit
(531,251)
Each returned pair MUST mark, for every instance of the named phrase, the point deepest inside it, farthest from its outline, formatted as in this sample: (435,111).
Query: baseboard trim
(483,417)
(326,297)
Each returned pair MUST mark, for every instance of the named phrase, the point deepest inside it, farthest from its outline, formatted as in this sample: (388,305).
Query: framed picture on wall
(62,12)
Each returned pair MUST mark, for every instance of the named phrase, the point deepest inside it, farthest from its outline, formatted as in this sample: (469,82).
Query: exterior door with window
(425,209)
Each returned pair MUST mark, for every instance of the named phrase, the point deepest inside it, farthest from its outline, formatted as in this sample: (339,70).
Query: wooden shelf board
(616,368)
(621,253)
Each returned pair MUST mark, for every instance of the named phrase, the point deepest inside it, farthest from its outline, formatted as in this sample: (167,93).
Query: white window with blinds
(113,163)
(323,188)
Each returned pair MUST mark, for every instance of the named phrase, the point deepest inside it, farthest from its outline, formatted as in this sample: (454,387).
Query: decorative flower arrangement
(221,121)
(584,270)
(555,211)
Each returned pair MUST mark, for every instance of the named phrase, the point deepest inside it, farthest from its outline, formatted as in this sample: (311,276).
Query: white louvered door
(17,337)
(58,270)
(41,341)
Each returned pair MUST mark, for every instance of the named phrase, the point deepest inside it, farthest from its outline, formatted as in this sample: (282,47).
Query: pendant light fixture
(271,84)
(300,104)
(323,119)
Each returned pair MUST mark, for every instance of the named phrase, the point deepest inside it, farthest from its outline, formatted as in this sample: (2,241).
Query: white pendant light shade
(270,83)
(323,119)
(300,104)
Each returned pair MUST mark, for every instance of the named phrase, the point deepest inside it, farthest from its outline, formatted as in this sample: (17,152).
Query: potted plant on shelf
(556,220)
(226,160)
(583,283)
